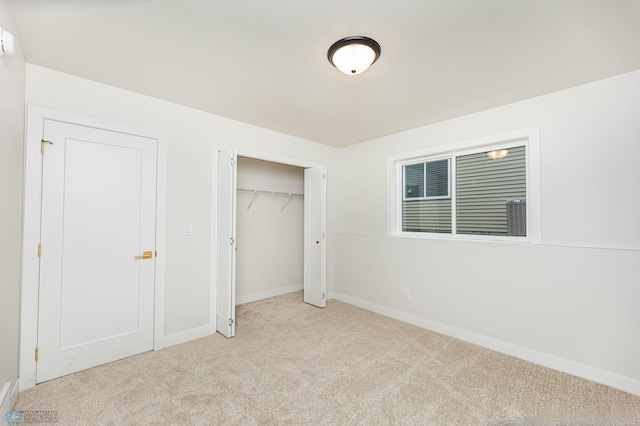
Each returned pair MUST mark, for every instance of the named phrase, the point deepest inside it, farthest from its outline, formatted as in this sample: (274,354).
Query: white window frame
(529,138)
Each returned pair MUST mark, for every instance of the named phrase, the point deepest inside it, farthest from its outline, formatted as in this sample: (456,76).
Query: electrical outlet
(407,294)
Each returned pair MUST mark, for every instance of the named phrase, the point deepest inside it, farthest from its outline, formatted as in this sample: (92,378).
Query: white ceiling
(264,62)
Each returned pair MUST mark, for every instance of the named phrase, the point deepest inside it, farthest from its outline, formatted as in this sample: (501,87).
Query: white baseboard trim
(14,392)
(5,401)
(608,378)
(267,294)
(187,335)
(8,396)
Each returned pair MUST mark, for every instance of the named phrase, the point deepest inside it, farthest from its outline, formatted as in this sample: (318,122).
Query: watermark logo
(13,417)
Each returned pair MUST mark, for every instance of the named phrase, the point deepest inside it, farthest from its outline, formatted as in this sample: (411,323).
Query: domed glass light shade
(354,55)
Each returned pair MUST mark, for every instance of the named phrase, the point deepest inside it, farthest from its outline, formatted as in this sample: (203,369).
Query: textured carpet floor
(291,363)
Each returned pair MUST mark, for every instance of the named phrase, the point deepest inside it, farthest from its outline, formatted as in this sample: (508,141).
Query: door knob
(144,255)
(317,242)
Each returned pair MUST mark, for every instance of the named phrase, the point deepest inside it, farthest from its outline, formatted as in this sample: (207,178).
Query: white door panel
(226,298)
(98,212)
(314,236)
(314,240)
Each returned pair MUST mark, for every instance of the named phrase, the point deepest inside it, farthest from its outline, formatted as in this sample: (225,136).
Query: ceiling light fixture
(498,154)
(354,55)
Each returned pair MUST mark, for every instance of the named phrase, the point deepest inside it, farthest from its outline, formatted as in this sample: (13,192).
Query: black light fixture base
(362,40)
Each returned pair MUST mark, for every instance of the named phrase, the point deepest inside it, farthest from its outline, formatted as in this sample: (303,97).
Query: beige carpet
(294,364)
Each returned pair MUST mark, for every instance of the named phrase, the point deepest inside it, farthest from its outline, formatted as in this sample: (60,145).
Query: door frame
(31,229)
(247,153)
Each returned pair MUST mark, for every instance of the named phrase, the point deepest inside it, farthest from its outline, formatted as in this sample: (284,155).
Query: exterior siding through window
(489,195)
(484,186)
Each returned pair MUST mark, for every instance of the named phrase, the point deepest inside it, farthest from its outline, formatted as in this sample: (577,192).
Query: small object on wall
(188,229)
(407,294)
(7,43)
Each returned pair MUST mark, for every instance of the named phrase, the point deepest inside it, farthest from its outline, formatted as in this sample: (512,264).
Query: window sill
(464,238)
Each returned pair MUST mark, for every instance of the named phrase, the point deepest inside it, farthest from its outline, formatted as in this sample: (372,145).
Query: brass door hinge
(42,142)
(37,355)
(39,250)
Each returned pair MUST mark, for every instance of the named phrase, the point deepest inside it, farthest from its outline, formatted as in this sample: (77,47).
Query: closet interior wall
(269,229)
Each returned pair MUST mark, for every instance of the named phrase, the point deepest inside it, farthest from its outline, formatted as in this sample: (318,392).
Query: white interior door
(98,213)
(226,299)
(314,236)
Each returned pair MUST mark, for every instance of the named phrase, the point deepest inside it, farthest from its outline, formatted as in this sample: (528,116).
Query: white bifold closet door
(226,298)
(314,239)
(314,236)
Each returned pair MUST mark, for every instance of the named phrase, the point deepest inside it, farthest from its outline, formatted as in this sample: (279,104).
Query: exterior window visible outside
(426,206)
(490,194)
(427,180)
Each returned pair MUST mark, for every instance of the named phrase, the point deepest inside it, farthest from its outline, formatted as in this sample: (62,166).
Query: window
(427,200)
(476,190)
(487,190)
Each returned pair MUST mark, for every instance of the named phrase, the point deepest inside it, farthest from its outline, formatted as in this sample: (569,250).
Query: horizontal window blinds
(426,215)
(483,188)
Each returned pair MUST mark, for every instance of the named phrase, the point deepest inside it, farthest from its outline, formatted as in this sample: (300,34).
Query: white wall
(192,136)
(570,302)
(12,86)
(270,255)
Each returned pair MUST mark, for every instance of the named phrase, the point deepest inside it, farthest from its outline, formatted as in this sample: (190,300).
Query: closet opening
(269,234)
(269,230)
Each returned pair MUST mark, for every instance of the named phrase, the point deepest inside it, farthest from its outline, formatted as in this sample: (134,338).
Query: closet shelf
(263,192)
